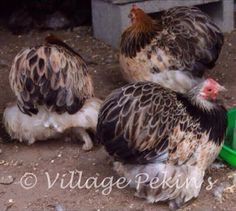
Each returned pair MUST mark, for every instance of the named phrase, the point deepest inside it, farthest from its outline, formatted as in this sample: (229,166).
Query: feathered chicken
(54,92)
(163,137)
(184,39)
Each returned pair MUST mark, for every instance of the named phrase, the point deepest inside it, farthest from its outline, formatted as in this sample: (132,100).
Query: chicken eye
(209,89)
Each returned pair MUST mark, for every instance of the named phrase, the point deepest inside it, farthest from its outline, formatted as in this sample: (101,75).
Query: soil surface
(53,162)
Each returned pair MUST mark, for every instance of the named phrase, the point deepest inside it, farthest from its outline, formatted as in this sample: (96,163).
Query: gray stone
(110,17)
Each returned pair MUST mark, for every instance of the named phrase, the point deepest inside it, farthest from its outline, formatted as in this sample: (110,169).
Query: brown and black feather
(190,40)
(51,75)
(137,124)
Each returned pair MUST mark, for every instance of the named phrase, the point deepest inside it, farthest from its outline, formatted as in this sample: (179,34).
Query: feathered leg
(85,118)
(84,136)
(163,182)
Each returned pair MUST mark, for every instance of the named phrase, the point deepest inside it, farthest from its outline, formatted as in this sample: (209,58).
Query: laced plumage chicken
(157,135)
(174,50)
(53,89)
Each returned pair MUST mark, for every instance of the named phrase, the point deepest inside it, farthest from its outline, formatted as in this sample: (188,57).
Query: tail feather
(53,40)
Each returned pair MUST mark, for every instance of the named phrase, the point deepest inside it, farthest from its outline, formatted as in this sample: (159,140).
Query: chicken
(54,93)
(184,39)
(161,139)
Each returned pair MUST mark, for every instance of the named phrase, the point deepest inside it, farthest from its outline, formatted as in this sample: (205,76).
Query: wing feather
(130,117)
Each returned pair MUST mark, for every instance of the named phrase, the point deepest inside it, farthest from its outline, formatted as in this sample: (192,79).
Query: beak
(130,15)
(221,88)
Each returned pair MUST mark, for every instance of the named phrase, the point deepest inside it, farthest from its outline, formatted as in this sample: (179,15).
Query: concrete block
(110,17)
(227,20)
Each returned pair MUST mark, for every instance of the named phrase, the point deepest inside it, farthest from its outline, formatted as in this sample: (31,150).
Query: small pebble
(2,162)
(219,190)
(59,207)
(11,201)
(6,180)
(217,165)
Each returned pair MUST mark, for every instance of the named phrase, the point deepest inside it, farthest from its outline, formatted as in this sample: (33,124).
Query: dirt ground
(57,159)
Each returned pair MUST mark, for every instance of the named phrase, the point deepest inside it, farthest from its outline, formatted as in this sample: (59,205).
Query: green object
(228,151)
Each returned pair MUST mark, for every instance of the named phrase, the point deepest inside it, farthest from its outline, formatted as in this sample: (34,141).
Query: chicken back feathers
(152,130)
(52,75)
(184,39)
(137,121)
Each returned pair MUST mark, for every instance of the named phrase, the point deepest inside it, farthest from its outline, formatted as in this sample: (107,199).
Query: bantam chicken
(173,50)
(156,135)
(54,93)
